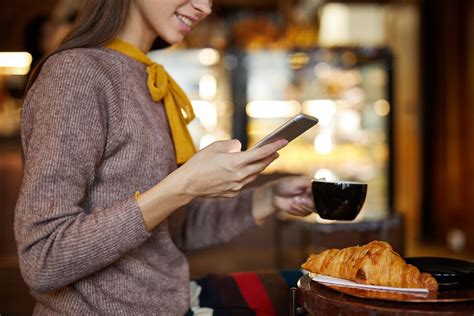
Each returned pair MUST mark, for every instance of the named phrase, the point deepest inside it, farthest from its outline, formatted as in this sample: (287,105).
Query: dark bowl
(449,272)
(340,200)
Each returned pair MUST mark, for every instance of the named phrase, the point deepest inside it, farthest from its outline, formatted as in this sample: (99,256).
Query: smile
(186,21)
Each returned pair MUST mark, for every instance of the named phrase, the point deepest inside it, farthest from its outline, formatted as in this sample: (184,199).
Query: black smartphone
(290,130)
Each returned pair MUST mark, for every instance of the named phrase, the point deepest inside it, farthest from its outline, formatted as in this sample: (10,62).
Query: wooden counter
(318,299)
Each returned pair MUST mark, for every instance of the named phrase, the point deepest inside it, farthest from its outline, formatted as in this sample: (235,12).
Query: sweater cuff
(245,211)
(130,225)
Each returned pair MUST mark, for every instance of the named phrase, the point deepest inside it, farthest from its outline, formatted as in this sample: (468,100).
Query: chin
(176,41)
(173,39)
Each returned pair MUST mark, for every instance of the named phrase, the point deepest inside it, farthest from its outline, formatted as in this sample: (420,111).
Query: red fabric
(253,292)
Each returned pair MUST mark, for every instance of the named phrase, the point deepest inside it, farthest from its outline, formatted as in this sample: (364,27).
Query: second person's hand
(289,194)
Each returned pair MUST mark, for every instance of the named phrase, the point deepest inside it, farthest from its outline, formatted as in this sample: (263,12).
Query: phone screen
(290,130)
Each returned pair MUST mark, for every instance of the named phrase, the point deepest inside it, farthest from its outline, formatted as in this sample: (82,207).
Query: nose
(203,6)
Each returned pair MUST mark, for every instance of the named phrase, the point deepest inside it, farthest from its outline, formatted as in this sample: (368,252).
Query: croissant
(375,263)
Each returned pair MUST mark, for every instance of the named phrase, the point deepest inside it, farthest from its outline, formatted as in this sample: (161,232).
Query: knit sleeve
(212,221)
(64,133)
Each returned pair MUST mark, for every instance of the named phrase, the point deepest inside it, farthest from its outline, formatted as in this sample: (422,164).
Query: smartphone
(290,130)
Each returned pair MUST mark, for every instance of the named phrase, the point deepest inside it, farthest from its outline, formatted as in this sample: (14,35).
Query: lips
(185,20)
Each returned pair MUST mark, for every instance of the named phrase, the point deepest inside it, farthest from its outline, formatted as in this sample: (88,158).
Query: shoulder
(96,70)
(95,63)
(74,85)
(74,75)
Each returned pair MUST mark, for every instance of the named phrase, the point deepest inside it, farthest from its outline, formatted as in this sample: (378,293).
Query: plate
(347,283)
(374,292)
(451,296)
(430,297)
(450,273)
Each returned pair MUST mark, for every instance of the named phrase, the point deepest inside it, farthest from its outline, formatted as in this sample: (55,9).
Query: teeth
(184,19)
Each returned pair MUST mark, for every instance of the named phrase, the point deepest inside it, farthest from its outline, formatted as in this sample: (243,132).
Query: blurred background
(391,82)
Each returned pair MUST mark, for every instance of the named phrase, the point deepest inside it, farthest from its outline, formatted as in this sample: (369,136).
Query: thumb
(228,146)
(302,182)
(294,185)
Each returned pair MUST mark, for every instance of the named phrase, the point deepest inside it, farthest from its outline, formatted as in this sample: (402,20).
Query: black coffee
(338,200)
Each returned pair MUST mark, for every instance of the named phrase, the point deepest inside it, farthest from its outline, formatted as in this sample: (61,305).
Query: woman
(100,124)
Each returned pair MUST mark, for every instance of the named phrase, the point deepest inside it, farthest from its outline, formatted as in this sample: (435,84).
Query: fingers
(243,177)
(250,173)
(257,159)
(298,213)
(298,205)
(305,202)
(260,153)
(301,205)
(299,209)
(257,167)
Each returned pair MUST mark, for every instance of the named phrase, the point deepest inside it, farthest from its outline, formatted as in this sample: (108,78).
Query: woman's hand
(222,169)
(219,170)
(290,194)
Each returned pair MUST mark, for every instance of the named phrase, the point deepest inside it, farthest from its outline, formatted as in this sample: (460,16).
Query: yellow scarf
(162,87)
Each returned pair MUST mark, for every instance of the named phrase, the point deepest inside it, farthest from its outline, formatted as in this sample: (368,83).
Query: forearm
(162,200)
(66,244)
(212,221)
(262,203)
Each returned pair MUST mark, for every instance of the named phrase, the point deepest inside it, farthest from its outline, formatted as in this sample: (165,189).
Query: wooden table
(317,299)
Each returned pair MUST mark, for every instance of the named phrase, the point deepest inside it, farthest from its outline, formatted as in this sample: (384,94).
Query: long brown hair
(97,22)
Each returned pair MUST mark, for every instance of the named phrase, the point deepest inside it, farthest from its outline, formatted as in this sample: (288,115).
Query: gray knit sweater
(91,137)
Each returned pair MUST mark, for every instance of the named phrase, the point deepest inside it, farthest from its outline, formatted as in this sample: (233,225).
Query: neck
(136,31)
(142,44)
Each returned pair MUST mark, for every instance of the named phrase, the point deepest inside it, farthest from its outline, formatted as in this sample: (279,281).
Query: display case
(350,91)
(248,93)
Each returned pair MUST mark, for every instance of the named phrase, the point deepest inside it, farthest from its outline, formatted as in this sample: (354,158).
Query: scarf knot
(157,81)
(162,87)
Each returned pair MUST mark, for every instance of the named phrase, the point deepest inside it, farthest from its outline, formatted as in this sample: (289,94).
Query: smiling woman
(170,20)
(101,123)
